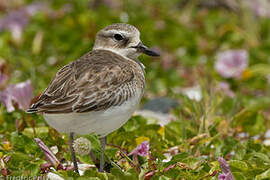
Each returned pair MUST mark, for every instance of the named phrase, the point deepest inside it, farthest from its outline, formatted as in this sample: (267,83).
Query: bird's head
(123,39)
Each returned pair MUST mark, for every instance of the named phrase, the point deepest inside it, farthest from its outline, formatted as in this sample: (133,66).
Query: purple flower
(259,8)
(225,87)
(16,20)
(33,8)
(141,150)
(48,153)
(232,63)
(20,18)
(226,171)
(13,19)
(21,93)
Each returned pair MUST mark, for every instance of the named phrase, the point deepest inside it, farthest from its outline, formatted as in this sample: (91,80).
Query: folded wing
(95,82)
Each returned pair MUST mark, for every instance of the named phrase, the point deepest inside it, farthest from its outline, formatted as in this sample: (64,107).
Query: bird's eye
(118,37)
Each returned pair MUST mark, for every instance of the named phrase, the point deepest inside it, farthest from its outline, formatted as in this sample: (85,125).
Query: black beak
(143,49)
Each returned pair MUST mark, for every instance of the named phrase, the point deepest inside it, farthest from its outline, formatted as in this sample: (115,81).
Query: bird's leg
(103,142)
(73,156)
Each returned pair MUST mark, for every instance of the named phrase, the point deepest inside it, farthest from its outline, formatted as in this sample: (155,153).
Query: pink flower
(20,17)
(226,171)
(21,93)
(232,63)
(48,154)
(225,87)
(33,8)
(141,150)
(15,21)
(260,7)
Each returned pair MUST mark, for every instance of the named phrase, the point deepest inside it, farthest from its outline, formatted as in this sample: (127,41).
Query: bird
(98,92)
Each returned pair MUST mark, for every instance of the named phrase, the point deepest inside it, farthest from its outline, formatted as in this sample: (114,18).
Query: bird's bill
(144,49)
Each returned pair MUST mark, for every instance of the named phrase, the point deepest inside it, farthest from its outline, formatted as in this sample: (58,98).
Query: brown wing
(95,82)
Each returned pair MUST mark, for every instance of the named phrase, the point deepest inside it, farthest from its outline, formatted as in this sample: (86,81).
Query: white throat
(121,54)
(110,49)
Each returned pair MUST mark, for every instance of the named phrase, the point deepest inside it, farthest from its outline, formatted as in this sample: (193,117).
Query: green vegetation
(229,120)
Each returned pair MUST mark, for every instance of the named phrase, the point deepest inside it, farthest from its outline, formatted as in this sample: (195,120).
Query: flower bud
(82,146)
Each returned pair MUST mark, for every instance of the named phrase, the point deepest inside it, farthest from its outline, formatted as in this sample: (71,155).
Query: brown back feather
(98,80)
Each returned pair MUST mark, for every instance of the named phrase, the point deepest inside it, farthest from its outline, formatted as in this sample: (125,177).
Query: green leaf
(177,158)
(34,169)
(88,178)
(238,165)
(252,122)
(18,159)
(260,69)
(261,156)
(123,175)
(258,104)
(264,175)
(238,176)
(240,152)
(38,130)
(92,173)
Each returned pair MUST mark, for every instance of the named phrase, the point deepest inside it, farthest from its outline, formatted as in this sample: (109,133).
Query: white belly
(100,122)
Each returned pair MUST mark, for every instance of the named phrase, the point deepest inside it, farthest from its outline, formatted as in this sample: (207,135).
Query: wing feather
(95,82)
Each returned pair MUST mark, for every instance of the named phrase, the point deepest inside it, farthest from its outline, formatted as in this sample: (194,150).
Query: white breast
(100,122)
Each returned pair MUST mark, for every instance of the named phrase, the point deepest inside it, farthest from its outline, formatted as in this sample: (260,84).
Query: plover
(98,92)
